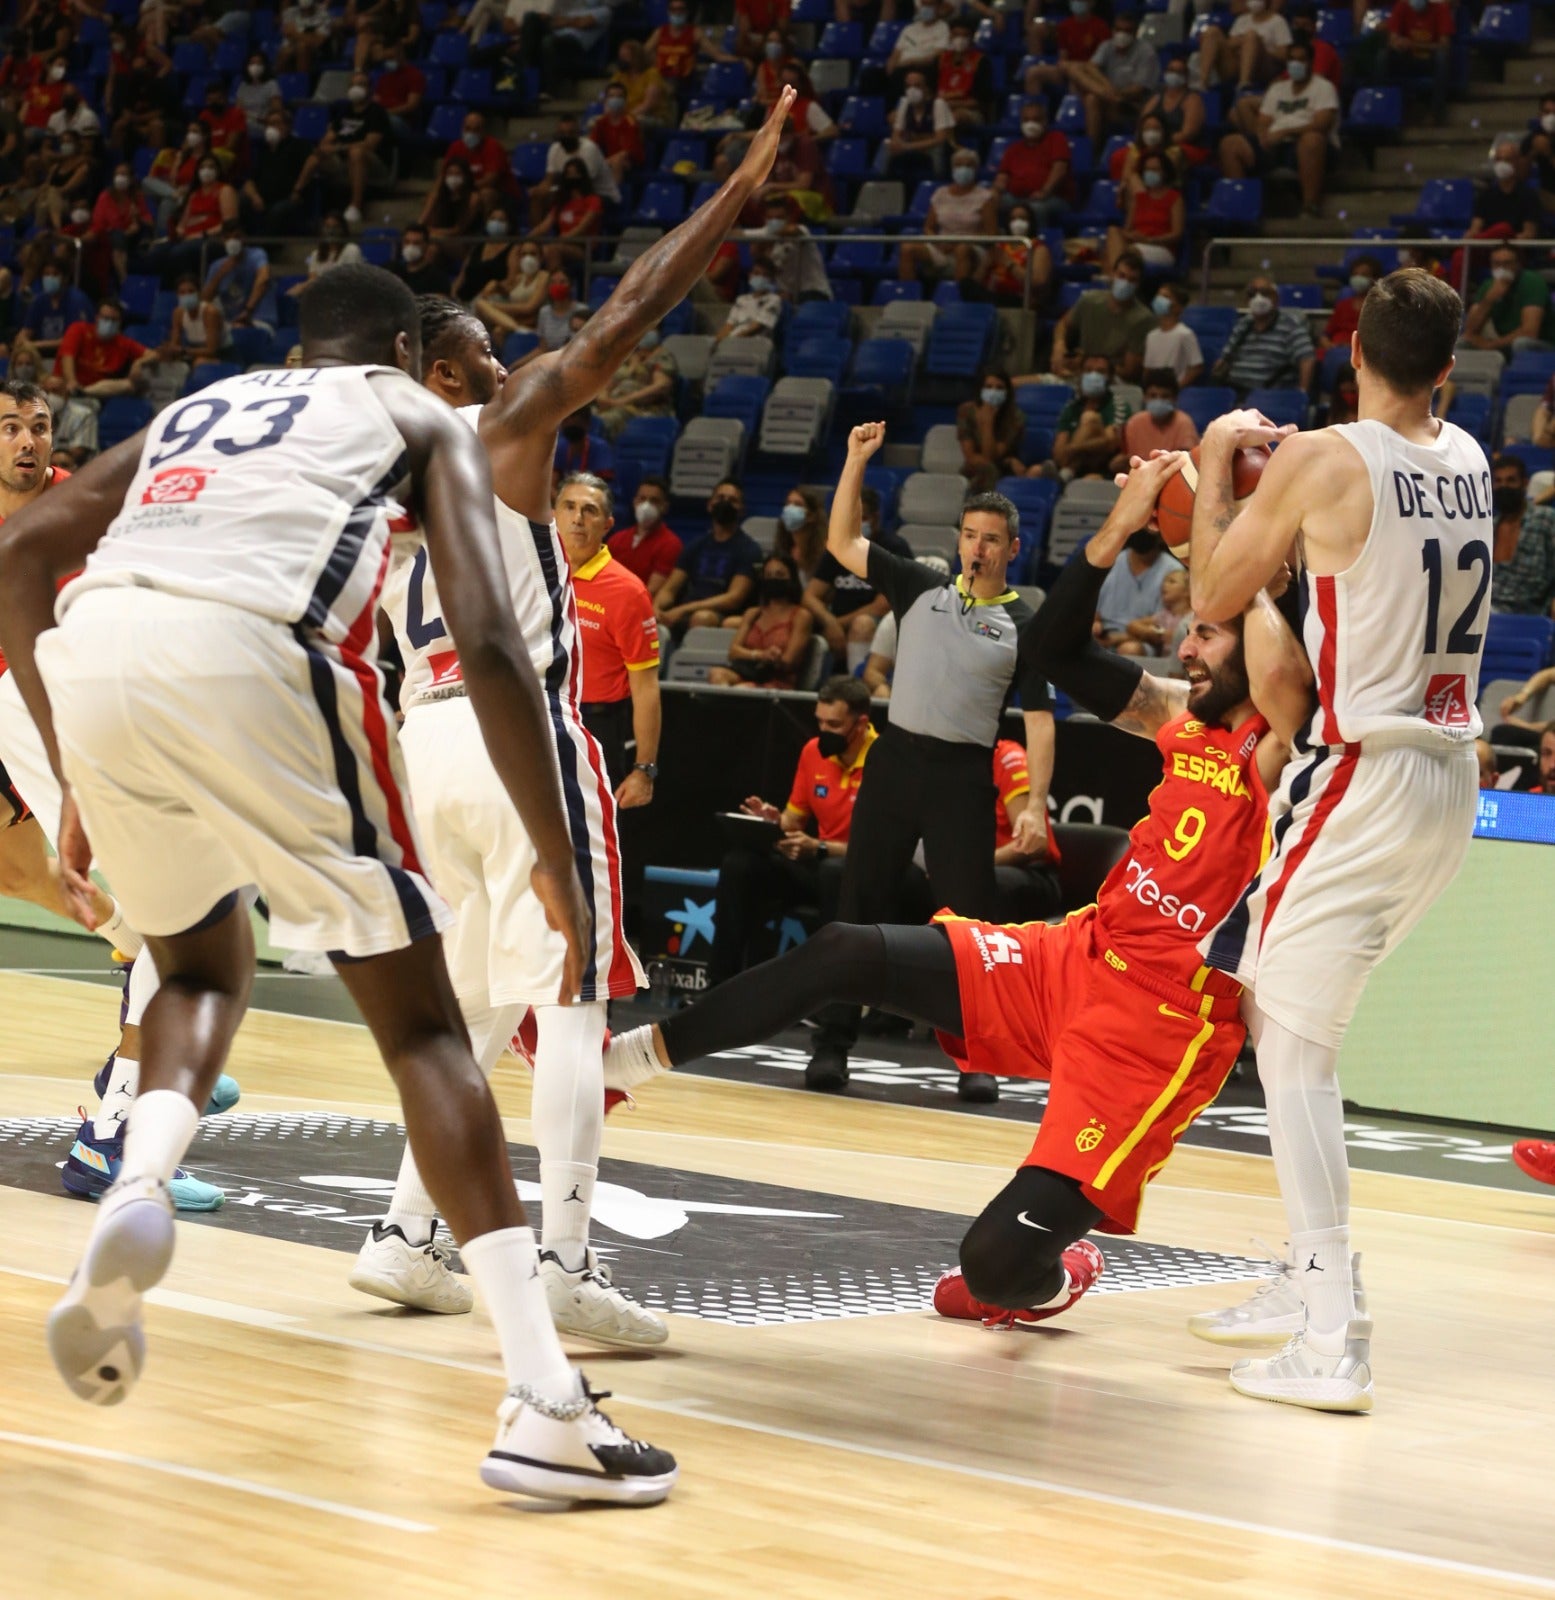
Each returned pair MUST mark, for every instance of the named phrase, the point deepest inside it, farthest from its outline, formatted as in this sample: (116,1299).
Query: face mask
(1260,305)
(121,181)
(678,19)
(80,216)
(925,13)
(760,284)
(650,340)
(1093,385)
(1122,40)
(1162,305)
(1019,226)
(1079,8)
(471,139)
(209,174)
(234,247)
(915,96)
(189,302)
(774,50)
(647,513)
(1151,138)
(193,140)
(1504,171)
(256,71)
(52,283)
(529,265)
(726,513)
(455,182)
(496,227)
(965,175)
(106,327)
(1504,274)
(992,396)
(615,104)
(1299,71)
(1153,178)
(779,589)
(1547,122)
(1033,130)
(960,45)
(569,143)
(56,74)
(1160,409)
(831,745)
(1175,80)
(561,293)
(1256,7)
(1359,282)
(67,147)
(412,253)
(356,94)
(792,517)
(1124,289)
(1508,502)
(866,529)
(273,137)
(773,226)
(391,65)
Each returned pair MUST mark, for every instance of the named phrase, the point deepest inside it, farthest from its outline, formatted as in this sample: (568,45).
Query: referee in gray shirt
(960,656)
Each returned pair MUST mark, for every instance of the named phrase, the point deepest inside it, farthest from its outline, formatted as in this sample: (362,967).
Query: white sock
(631,1059)
(118,1097)
(506,1270)
(567,1114)
(115,931)
(1306,1135)
(858,654)
(159,1129)
(143,986)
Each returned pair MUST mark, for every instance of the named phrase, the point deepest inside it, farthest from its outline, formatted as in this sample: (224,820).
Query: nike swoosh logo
(1167,1011)
(1026,1222)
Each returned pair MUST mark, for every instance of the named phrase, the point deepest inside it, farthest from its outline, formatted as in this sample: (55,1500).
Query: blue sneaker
(224,1096)
(93,1166)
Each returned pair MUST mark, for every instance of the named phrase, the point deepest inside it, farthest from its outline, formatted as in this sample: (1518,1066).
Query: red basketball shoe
(1537,1158)
(1083,1265)
(523,1043)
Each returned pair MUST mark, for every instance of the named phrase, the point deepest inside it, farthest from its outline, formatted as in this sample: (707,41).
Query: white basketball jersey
(1396,641)
(271,492)
(539,583)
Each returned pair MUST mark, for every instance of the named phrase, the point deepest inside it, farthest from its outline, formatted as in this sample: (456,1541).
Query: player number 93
(1187,833)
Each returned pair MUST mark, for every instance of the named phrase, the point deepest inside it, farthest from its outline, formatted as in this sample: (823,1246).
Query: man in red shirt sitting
(94,361)
(648,546)
(486,156)
(1077,38)
(1420,47)
(400,89)
(1035,167)
(964,80)
(617,134)
(228,130)
(1346,315)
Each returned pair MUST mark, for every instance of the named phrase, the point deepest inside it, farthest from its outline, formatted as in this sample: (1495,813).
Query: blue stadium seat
(684,147)
(889,289)
(1101,207)
(1034,498)
(1235,203)
(645,443)
(1443,203)
(1504,28)
(1301,296)
(816,12)
(883,367)
(310,121)
(518,345)
(863,115)
(849,158)
(727,80)
(958,341)
(293,86)
(883,40)
(445,123)
(739,396)
(137,294)
(528,162)
(231,56)
(1516,647)
(449,50)
(844,40)
(1334,362)
(190,58)
(123,416)
(1204,403)
(1216,321)
(1373,110)
(663,201)
(251,346)
(1280,405)
(1473,412)
(823,356)
(1042,402)
(472,87)
(1071,115)
(1336,26)
(211,372)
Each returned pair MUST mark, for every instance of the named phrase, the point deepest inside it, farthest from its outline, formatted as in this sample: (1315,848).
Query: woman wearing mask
(554,321)
(121,223)
(644,386)
(964,206)
(773,637)
(1182,112)
(199,333)
(775,55)
(1154,220)
(801,534)
(1346,315)
(449,212)
(572,221)
(1172,343)
(211,202)
(334,249)
(258,94)
(69,173)
(1149,139)
(990,429)
(494,261)
(512,305)
(1015,261)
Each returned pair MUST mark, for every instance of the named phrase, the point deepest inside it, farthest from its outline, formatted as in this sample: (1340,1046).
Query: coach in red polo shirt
(1035,168)
(648,546)
(620,641)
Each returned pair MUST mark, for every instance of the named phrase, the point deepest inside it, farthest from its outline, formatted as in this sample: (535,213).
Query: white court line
(693,1411)
(219,1480)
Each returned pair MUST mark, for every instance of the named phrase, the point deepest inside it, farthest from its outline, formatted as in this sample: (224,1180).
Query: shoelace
(594,1396)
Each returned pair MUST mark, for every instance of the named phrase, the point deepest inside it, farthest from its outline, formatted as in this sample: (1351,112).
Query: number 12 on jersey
(1461,641)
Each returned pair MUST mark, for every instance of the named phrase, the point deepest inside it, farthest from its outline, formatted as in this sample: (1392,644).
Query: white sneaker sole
(94,1333)
(1315,1394)
(1250,1336)
(518,1475)
(619,1338)
(385,1287)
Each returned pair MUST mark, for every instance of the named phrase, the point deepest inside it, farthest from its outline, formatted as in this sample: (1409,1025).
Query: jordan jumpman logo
(1312,1265)
(574,1196)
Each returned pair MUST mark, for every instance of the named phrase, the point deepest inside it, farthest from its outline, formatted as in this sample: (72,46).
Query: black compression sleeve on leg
(1060,635)
(1012,1255)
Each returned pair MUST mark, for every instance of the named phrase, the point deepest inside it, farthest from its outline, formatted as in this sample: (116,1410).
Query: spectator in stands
(798,173)
(1546,783)
(1117,80)
(754,21)
(258,94)
(643,386)
(990,429)
(1504,206)
(451,205)
(335,248)
(962,206)
(1523,578)
(1182,113)
(418,264)
(1486,756)
(1035,168)
(381,26)
(648,97)
(772,639)
(964,76)
(121,221)
(1252,55)
(796,259)
(1077,38)
(228,129)
(484,156)
(1149,137)
(211,202)
(847,609)
(648,546)
(1541,431)
(570,145)
(1296,124)
(74,116)
(677,46)
(68,174)
(490,263)
(617,134)
(918,46)
(1172,343)
(239,280)
(1014,262)
(553,322)
(57,305)
(401,90)
(1346,315)
(307,30)
(801,535)
(1133,591)
(715,576)
(580,449)
(1268,348)
(275,193)
(1160,634)
(42,98)
(199,333)
(568,37)
(576,217)
(1163,424)
(776,54)
(1088,434)
(140,88)
(1512,726)
(356,154)
(95,362)
(1326,61)
(1511,312)
(802,868)
(922,128)
(514,304)
(1155,217)
(756,312)
(1538,151)
(1106,322)
(1419,36)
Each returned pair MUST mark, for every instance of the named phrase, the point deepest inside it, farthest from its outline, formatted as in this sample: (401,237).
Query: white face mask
(1151,138)
(412,253)
(914,96)
(1260,305)
(209,174)
(357,95)
(965,175)
(529,265)
(1504,274)
(193,140)
(1299,71)
(455,182)
(234,247)
(646,512)
(1020,226)
(1547,122)
(1122,40)
(256,71)
(1504,171)
(80,215)
(273,137)
(960,45)
(121,181)
(56,74)
(1032,130)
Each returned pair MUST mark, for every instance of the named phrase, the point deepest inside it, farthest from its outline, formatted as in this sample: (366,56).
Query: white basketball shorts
(210,748)
(24,758)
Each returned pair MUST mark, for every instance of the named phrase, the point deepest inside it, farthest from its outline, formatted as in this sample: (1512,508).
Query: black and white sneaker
(570,1450)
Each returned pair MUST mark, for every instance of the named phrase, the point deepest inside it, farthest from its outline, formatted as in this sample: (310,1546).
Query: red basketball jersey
(1194,851)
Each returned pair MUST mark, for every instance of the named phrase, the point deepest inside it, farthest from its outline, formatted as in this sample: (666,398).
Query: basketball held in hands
(1174,508)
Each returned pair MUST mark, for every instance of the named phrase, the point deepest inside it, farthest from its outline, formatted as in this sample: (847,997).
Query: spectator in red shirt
(775,55)
(400,89)
(964,79)
(648,546)
(617,134)
(97,359)
(754,20)
(43,97)
(228,129)
(1035,168)
(572,221)
(1155,217)
(1078,37)
(121,221)
(484,155)
(1346,315)
(1420,46)
(22,66)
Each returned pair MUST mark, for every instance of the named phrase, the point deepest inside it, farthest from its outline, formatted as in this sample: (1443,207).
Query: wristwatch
(649,767)
(820,848)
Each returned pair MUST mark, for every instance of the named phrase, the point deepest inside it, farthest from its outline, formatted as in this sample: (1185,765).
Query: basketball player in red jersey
(1114,1004)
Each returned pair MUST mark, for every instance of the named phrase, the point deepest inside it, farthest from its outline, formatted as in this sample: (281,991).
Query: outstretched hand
(757,165)
(1141,487)
(865,440)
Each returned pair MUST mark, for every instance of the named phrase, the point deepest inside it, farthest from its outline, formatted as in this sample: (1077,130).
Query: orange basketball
(1174,508)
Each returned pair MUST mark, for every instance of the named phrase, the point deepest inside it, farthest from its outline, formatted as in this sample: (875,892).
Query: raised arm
(845,531)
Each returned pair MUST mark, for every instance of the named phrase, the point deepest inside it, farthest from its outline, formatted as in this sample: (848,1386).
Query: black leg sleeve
(1011,1256)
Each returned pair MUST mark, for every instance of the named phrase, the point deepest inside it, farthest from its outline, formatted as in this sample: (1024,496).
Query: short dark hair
(23,393)
(1000,506)
(652,478)
(438,318)
(590,480)
(1160,378)
(361,308)
(869,499)
(112,305)
(1131,258)
(1367,261)
(1504,459)
(1409,326)
(843,690)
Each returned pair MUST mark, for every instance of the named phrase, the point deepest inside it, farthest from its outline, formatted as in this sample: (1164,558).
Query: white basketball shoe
(1272,1314)
(587,1304)
(570,1450)
(415,1275)
(1302,1376)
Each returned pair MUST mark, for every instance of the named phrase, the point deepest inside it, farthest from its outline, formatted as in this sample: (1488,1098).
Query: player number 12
(1461,641)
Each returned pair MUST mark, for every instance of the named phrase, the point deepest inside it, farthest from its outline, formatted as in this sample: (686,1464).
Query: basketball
(1174,508)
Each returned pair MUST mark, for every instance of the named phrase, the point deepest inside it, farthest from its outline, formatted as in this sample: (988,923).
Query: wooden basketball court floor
(292,1438)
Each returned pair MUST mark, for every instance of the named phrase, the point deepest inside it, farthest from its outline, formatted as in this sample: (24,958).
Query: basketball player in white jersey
(1388,522)
(502,958)
(210,705)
